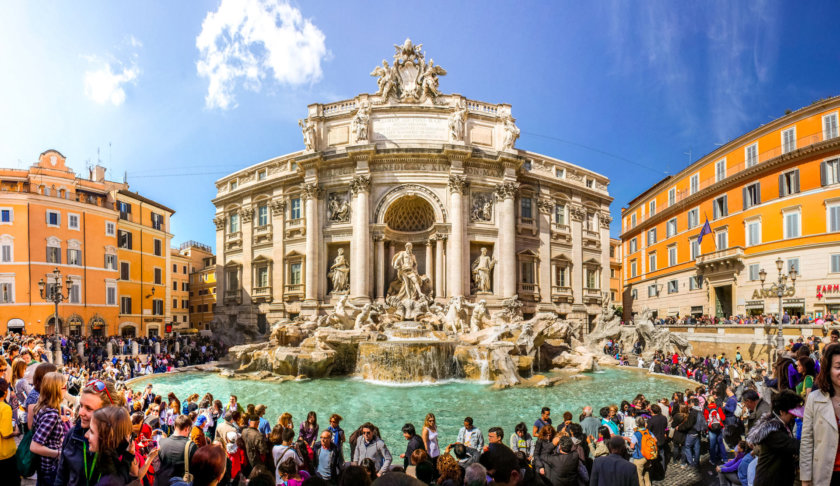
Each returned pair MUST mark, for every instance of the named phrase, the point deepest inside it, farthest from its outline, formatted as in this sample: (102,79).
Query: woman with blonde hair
(430,437)
(286,421)
(450,473)
(19,387)
(48,430)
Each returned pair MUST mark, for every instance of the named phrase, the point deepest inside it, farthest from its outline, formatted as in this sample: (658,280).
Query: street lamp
(780,289)
(55,296)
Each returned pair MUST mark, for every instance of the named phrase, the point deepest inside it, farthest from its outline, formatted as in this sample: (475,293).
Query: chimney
(99,173)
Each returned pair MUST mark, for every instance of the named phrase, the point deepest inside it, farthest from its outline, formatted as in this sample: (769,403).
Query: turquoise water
(389,407)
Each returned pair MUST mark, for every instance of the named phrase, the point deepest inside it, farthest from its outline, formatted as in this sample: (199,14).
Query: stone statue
(429,80)
(511,132)
(386,81)
(405,263)
(339,208)
(359,125)
(479,312)
(455,316)
(482,270)
(511,309)
(365,317)
(342,315)
(482,208)
(457,121)
(308,129)
(407,51)
(339,273)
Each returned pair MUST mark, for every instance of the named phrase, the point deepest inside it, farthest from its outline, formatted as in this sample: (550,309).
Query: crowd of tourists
(760,319)
(761,425)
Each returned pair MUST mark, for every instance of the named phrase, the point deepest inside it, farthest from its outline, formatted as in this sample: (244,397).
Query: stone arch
(128,328)
(409,190)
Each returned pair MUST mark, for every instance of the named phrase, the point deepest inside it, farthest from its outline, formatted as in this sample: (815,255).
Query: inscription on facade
(413,128)
(338,136)
(407,166)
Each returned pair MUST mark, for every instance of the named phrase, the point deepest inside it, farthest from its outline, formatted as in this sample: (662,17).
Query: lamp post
(56,296)
(780,288)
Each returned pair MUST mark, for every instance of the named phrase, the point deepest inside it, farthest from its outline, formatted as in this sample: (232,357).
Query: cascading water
(407,361)
(481,358)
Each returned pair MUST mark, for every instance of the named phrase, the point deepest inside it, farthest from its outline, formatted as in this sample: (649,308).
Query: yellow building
(143,251)
(616,286)
(180,288)
(202,286)
(772,193)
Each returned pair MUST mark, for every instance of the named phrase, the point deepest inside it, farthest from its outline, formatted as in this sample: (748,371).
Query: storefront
(754,307)
(15,325)
(74,325)
(828,298)
(794,307)
(97,326)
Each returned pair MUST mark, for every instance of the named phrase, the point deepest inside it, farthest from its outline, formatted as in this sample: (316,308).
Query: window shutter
(796,181)
(715,211)
(757,193)
(725,206)
(781,185)
(744,191)
(823,175)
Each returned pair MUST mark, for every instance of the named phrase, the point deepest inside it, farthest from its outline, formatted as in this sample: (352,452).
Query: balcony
(529,291)
(561,232)
(261,294)
(729,259)
(232,296)
(294,291)
(262,234)
(560,294)
(591,239)
(295,227)
(592,296)
(526,225)
(233,240)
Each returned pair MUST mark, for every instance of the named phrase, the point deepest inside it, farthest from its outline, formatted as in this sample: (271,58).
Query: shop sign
(755,304)
(827,289)
(168,328)
(770,293)
(794,302)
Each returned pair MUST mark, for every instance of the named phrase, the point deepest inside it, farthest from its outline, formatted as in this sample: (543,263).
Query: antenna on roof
(125,177)
(689,155)
(98,160)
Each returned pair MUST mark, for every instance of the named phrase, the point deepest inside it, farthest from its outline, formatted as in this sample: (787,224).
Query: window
(110,228)
(262,276)
(261,174)
(652,207)
(7,292)
(671,227)
(157,221)
(124,239)
(125,210)
(633,245)
(185,287)
(652,262)
(74,257)
(53,254)
(829,126)
(791,222)
(694,183)
(184,270)
(720,170)
(124,271)
(125,305)
(110,294)
(591,278)
(720,208)
(262,215)
(6,216)
(294,273)
(174,303)
(74,294)
(559,214)
(158,247)
(695,249)
(233,226)
(835,263)
(175,286)
(157,307)
(754,270)
(73,221)
(184,303)
(634,294)
(590,183)
(695,283)
(234,184)
(672,196)
(693,218)
(788,140)
(753,232)
(652,291)
(633,271)
(53,218)
(612,251)
(174,268)
(527,165)
(793,265)
(789,183)
(752,195)
(673,286)
(158,276)
(830,172)
(525,208)
(833,215)
(651,236)
(6,252)
(612,273)
(672,256)
(722,240)
(751,154)
(294,208)
(559,172)
(633,220)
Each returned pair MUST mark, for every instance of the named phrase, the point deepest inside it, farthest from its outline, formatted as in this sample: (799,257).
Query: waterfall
(409,361)
(483,363)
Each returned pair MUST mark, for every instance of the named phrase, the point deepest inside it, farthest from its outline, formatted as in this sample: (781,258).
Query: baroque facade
(408,164)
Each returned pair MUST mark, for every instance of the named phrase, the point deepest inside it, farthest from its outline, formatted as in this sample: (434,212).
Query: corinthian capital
(577,212)
(605,219)
(507,190)
(247,214)
(310,190)
(219,221)
(458,183)
(278,206)
(545,205)
(360,183)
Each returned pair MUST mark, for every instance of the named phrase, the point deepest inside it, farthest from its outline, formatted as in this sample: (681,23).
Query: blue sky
(178,94)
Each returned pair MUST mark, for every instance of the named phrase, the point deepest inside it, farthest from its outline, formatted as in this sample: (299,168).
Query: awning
(754,305)
(15,323)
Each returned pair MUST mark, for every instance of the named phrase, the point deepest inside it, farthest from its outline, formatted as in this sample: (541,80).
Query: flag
(707,230)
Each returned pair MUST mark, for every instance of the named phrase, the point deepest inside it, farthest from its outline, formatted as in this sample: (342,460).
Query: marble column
(546,207)
(506,193)
(246,215)
(311,192)
(430,262)
(387,265)
(577,215)
(359,251)
(221,223)
(439,268)
(278,249)
(380,266)
(455,273)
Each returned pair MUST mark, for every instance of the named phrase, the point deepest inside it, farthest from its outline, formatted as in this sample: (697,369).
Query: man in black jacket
(657,425)
(414,442)
(326,458)
(613,469)
(174,451)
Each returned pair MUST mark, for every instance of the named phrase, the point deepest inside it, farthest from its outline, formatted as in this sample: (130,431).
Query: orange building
(771,193)
(202,283)
(180,282)
(616,286)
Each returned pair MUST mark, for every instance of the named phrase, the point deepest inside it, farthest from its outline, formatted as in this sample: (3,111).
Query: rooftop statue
(410,79)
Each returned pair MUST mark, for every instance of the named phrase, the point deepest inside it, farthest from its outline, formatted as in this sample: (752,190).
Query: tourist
(75,450)
(290,474)
(476,475)
(693,427)
(417,457)
(819,451)
(372,447)
(414,443)
(495,436)
(561,468)
(728,472)
(48,427)
(8,432)
(40,371)
(326,458)
(108,439)
(463,454)
(502,465)
(545,419)
(207,466)
(233,405)
(589,424)
(283,450)
(337,433)
(285,420)
(448,470)
(470,435)
(521,441)
(637,443)
(197,433)
(256,444)
(20,387)
(176,451)
(265,426)
(613,469)
(714,418)
(543,447)
(608,422)
(224,428)
(773,434)
(755,407)
(308,430)
(658,425)
(601,444)
(805,367)
(430,437)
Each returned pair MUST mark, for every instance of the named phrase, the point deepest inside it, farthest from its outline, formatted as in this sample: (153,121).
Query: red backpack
(716,418)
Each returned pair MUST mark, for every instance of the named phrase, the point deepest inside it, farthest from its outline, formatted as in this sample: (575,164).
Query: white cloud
(103,85)
(246,41)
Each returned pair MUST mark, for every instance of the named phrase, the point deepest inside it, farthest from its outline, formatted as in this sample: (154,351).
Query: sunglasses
(99,386)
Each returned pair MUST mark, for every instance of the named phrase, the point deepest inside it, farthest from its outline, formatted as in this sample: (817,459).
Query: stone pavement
(678,476)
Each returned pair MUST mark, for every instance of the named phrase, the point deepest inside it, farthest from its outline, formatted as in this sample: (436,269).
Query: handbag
(187,476)
(27,461)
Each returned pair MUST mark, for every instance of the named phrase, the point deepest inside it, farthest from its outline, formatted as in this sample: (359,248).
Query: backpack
(27,462)
(715,420)
(648,445)
(700,424)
